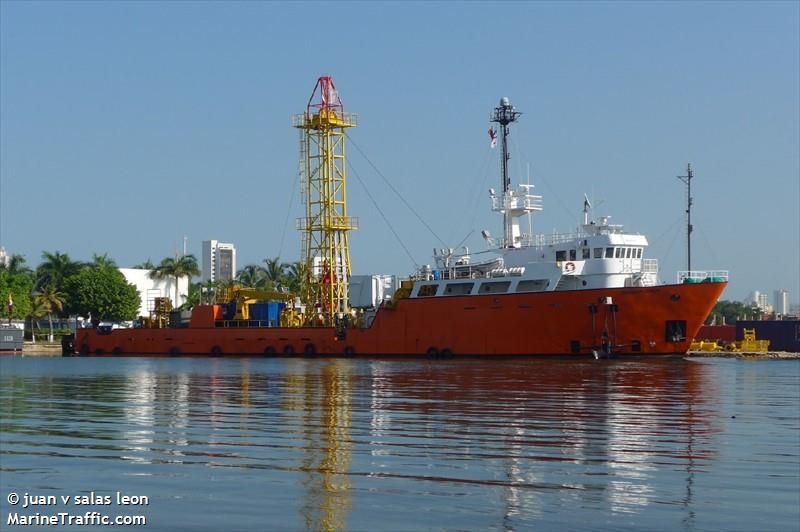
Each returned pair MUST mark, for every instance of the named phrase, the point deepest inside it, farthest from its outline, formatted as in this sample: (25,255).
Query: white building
(781,302)
(5,260)
(149,289)
(219,261)
(759,300)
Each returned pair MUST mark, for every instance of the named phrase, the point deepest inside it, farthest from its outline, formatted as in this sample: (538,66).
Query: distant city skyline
(125,126)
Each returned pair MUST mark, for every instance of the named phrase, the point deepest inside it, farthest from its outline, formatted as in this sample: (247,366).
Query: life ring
(349,351)
(569,267)
(310,350)
(288,350)
(216,351)
(269,351)
(174,351)
(117,351)
(433,352)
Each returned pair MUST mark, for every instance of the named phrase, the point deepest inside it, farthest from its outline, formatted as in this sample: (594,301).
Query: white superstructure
(597,255)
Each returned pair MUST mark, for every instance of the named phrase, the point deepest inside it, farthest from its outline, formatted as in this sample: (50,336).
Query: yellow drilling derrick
(323,177)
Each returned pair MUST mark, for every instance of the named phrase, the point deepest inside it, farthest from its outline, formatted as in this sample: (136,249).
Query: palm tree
(49,299)
(146,265)
(16,265)
(103,261)
(295,276)
(54,269)
(251,276)
(39,309)
(275,272)
(176,268)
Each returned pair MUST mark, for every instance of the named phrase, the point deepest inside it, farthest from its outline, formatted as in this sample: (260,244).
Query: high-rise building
(219,261)
(781,302)
(763,303)
(759,300)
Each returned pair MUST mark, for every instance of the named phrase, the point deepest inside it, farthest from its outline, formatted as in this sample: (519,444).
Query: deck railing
(703,276)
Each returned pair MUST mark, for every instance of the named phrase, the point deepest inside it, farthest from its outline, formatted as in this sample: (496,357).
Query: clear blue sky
(126,125)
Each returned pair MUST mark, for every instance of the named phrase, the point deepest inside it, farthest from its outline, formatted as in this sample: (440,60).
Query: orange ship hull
(634,321)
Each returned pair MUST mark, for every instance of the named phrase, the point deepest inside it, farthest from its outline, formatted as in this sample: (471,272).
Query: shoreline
(768,355)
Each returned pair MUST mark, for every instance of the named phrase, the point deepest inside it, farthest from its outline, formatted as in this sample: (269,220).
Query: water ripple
(336,444)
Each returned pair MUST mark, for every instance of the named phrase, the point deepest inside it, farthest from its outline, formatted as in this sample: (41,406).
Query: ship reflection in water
(245,444)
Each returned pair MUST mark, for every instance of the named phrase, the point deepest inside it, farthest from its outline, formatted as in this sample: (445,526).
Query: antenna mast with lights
(687,179)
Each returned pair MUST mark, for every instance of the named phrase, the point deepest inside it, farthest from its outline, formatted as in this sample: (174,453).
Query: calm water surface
(287,444)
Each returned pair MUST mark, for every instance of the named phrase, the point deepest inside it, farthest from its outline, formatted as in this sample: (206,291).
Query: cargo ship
(590,292)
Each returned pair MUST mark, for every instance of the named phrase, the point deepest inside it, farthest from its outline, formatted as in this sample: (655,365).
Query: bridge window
(561,256)
(618,253)
(495,287)
(427,290)
(573,255)
(586,253)
(537,285)
(457,289)
(628,253)
(598,253)
(609,253)
(639,253)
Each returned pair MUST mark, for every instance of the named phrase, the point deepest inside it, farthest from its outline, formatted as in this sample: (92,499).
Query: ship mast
(504,115)
(687,179)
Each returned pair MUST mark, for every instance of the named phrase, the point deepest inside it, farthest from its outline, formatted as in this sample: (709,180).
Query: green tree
(252,276)
(38,310)
(51,300)
(16,265)
(103,261)
(185,266)
(102,293)
(295,276)
(55,269)
(730,312)
(146,265)
(275,272)
(18,286)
